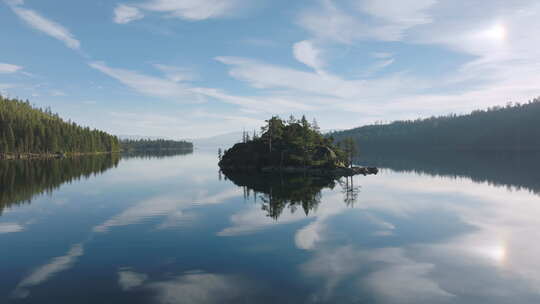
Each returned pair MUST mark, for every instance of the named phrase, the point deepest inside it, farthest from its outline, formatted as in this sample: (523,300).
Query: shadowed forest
(515,127)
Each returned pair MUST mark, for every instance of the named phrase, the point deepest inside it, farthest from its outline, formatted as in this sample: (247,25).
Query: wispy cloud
(343,24)
(174,86)
(193,10)
(267,76)
(44,25)
(176,74)
(149,85)
(124,14)
(6,68)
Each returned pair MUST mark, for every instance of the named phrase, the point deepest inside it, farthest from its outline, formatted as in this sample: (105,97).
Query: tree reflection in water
(21,180)
(277,192)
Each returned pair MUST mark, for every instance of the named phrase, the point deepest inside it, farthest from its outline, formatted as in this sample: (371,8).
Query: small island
(292,146)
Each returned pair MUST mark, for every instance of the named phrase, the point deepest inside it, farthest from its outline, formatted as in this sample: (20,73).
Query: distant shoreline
(27,156)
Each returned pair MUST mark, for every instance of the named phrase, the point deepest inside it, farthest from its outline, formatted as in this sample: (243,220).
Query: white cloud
(332,22)
(45,272)
(306,53)
(172,87)
(267,76)
(124,14)
(6,68)
(45,25)
(149,85)
(193,10)
(403,13)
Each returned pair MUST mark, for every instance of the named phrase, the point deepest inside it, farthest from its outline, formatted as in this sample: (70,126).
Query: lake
(171,229)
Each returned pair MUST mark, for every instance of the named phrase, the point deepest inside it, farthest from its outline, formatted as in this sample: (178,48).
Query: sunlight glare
(497,32)
(496,253)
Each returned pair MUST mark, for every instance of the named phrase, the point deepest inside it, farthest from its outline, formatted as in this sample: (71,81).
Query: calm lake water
(171,229)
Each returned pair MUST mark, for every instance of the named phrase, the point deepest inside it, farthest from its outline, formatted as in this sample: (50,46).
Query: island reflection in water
(292,191)
(167,230)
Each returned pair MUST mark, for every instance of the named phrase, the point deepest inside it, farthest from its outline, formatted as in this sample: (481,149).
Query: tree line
(514,127)
(139,145)
(28,129)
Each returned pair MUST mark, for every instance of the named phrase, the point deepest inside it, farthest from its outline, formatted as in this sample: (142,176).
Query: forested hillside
(154,145)
(26,129)
(515,127)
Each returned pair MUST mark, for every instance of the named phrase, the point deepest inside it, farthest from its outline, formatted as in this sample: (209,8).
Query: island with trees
(292,146)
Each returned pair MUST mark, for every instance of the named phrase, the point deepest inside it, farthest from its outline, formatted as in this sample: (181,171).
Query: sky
(199,68)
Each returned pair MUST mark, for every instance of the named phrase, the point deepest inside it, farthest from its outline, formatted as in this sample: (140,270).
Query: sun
(497,32)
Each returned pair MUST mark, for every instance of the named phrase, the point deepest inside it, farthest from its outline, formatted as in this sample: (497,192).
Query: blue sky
(197,68)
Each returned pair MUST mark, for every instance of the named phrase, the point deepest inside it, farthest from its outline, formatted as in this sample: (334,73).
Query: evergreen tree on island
(293,145)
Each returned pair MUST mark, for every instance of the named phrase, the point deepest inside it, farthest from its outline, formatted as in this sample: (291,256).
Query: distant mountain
(228,140)
(223,141)
(515,127)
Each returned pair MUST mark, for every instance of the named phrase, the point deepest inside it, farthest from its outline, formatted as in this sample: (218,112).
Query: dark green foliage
(514,127)
(154,145)
(278,192)
(150,154)
(26,129)
(21,180)
(294,143)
